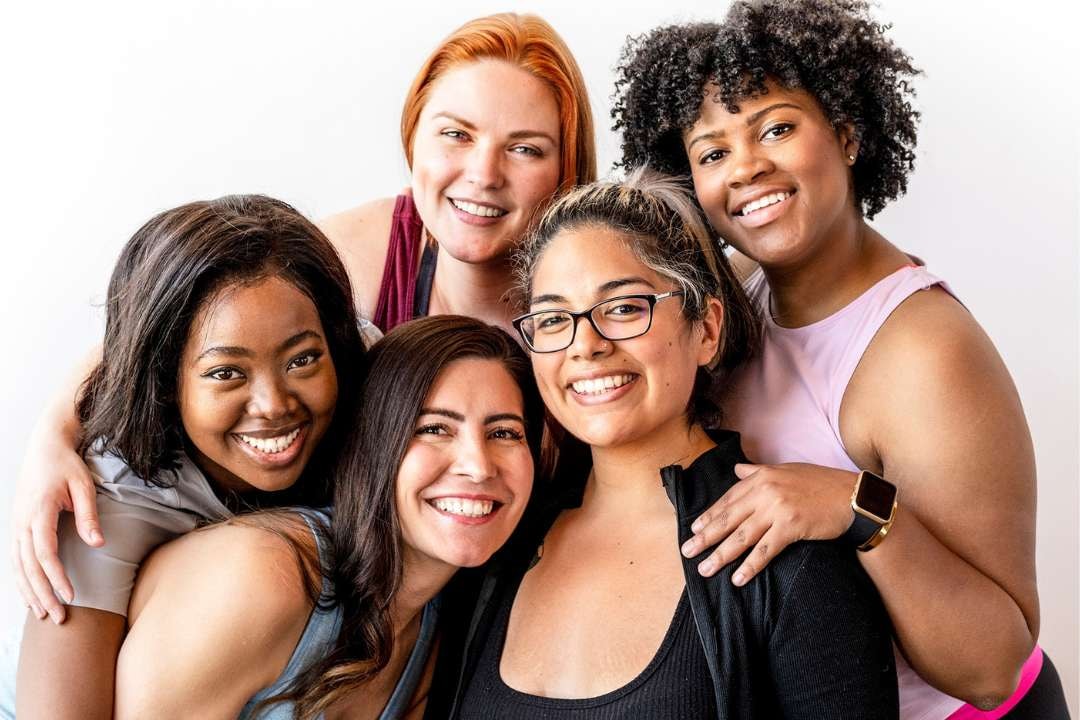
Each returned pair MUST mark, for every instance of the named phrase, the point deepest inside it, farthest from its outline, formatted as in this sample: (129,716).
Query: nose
(270,398)
(483,167)
(588,343)
(474,458)
(748,165)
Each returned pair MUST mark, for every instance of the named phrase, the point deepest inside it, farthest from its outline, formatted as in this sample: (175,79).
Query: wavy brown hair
(366,569)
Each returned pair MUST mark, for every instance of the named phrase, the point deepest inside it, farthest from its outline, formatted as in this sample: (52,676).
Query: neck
(478,290)
(422,579)
(626,480)
(844,266)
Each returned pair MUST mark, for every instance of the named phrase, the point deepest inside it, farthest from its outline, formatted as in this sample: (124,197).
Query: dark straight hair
(173,265)
(366,533)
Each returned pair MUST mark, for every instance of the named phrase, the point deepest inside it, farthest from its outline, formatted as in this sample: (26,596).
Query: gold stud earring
(851,158)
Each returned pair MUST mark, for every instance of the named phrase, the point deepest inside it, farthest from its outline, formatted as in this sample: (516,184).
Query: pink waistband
(1030,671)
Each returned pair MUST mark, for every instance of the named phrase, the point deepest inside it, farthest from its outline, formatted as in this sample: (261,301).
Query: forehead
(578,261)
(475,387)
(247,314)
(494,92)
(715,113)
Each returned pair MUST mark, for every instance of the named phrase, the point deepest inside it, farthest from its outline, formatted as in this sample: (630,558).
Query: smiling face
(486,154)
(467,473)
(774,179)
(613,393)
(257,386)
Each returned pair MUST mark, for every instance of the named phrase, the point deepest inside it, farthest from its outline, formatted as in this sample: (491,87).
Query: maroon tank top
(405,291)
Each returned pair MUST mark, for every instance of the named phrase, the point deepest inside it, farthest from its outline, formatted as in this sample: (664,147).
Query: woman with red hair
(496,121)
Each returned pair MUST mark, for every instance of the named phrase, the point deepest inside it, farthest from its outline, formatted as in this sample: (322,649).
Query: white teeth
(464,506)
(763,202)
(478,210)
(596,386)
(271,445)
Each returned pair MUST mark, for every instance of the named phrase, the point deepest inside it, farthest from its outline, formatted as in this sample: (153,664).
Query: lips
(465,509)
(762,201)
(480,210)
(273,448)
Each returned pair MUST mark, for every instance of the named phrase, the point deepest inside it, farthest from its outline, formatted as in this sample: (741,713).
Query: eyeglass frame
(652,298)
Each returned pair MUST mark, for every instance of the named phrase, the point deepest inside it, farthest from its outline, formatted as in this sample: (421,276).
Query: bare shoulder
(361,236)
(231,564)
(932,331)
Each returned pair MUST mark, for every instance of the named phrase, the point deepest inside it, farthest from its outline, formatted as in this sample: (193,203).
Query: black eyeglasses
(617,318)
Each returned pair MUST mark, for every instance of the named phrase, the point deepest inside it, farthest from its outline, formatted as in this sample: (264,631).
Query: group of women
(627,560)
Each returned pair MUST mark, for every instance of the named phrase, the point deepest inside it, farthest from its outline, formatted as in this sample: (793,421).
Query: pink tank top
(786,405)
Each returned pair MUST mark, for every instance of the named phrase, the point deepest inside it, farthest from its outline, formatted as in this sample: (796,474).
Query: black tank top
(675,685)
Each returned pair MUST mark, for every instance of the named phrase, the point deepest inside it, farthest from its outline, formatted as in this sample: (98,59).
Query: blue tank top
(318,638)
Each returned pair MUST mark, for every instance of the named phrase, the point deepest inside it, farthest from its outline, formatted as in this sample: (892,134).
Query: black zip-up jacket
(806,638)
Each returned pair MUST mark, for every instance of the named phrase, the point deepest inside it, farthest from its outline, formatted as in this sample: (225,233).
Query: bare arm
(931,407)
(215,617)
(67,672)
(944,423)
(53,479)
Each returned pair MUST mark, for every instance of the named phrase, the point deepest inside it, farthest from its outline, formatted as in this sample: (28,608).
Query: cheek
(546,370)
(207,415)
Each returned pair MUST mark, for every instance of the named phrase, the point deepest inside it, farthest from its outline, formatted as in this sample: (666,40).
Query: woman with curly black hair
(794,120)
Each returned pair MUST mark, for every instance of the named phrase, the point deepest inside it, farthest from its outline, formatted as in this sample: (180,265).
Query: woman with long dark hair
(230,365)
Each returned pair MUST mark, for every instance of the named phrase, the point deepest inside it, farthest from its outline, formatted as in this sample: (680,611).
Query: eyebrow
(516,135)
(237,351)
(602,289)
(454,415)
(750,120)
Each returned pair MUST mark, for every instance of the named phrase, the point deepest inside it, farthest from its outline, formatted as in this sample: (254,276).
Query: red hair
(530,43)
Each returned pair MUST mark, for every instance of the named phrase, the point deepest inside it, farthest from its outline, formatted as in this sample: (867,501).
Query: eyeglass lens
(617,319)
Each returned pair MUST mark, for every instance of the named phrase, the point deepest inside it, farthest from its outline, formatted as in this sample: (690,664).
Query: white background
(112,112)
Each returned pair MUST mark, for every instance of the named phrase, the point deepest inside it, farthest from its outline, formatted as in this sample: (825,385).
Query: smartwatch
(874,502)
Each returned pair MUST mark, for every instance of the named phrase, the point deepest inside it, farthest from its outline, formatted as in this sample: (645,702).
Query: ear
(849,143)
(712,329)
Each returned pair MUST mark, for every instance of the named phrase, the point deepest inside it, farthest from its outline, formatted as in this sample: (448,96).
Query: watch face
(876,496)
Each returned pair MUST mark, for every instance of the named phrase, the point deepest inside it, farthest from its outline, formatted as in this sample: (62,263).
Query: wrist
(874,502)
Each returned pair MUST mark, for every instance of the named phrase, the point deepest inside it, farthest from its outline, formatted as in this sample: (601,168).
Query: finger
(45,550)
(745,536)
(769,546)
(732,496)
(39,584)
(23,584)
(84,505)
(744,470)
(722,520)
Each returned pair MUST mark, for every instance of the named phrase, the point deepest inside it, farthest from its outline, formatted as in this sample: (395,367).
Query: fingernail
(54,615)
(738,579)
(706,568)
(689,548)
(66,596)
(96,536)
(38,612)
(699,523)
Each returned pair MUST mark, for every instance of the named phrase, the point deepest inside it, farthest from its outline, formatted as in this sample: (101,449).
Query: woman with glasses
(595,613)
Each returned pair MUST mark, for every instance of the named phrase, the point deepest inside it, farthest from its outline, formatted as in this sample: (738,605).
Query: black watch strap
(861,530)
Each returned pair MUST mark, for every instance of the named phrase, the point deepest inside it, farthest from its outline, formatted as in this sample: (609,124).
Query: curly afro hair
(832,49)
